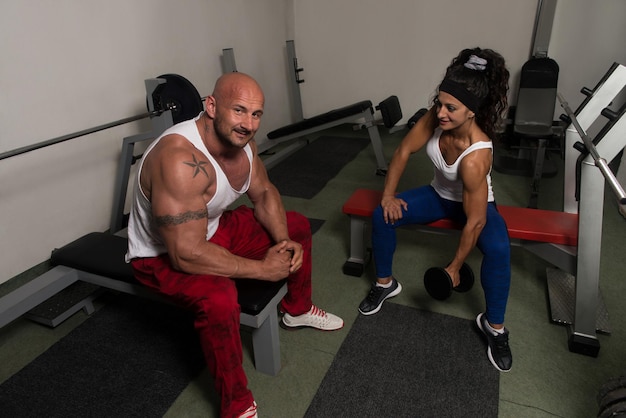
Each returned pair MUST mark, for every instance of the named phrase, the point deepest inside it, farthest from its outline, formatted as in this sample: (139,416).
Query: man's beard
(224,136)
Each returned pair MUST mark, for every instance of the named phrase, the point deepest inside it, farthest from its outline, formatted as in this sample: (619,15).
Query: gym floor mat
(406,362)
(306,172)
(131,358)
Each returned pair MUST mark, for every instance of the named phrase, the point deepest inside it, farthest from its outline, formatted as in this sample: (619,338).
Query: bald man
(185,244)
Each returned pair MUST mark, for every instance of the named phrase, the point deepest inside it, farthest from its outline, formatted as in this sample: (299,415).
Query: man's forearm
(270,212)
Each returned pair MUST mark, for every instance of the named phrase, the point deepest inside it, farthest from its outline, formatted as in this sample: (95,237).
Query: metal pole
(598,160)
(599,98)
(294,81)
(543,28)
(67,137)
(228,60)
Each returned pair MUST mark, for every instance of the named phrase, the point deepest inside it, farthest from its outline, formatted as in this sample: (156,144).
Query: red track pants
(213,299)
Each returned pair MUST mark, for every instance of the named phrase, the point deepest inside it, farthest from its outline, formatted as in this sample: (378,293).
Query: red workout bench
(549,234)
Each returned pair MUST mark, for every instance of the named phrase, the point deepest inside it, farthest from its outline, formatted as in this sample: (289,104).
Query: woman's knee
(494,240)
(378,220)
(497,248)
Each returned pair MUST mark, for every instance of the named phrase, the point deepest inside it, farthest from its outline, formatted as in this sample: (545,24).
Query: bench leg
(54,311)
(38,290)
(377,145)
(358,253)
(537,174)
(583,339)
(266,345)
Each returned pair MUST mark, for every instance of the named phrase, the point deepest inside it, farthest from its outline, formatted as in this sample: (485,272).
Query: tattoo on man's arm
(181,218)
(198,166)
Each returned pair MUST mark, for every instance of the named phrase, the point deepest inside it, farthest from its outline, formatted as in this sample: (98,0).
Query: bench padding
(523,223)
(103,254)
(322,119)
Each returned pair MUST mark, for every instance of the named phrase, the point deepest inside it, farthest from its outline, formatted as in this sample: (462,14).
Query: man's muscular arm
(269,209)
(179,181)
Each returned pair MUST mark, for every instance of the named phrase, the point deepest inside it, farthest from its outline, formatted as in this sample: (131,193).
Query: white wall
(370,49)
(73,64)
(587,37)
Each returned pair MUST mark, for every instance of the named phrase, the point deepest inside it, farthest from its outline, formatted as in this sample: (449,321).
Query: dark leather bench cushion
(103,254)
(98,253)
(322,119)
(391,111)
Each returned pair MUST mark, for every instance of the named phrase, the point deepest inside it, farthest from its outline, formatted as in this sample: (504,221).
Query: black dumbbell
(438,282)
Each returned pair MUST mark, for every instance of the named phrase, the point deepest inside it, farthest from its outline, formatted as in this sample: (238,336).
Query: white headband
(476,63)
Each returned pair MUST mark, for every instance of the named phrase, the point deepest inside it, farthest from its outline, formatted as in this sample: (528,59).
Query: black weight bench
(533,128)
(102,254)
(390,109)
(98,258)
(321,120)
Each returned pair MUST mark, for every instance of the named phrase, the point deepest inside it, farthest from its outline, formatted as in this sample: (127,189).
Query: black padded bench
(319,120)
(98,258)
(390,109)
(102,254)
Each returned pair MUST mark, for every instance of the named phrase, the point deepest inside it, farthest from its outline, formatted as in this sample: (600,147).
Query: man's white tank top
(143,237)
(447,182)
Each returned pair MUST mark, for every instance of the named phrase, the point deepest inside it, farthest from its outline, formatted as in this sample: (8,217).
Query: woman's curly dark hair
(490,85)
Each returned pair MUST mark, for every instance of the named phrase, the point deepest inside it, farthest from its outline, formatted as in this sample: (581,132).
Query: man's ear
(209,106)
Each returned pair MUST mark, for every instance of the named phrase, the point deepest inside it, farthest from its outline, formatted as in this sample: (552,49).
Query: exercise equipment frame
(593,175)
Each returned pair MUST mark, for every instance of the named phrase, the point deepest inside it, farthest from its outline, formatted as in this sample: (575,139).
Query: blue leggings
(425,206)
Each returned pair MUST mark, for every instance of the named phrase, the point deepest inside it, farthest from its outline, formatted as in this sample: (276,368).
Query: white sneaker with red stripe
(315,318)
(250,412)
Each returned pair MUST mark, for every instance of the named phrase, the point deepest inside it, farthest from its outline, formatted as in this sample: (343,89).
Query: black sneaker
(498,352)
(377,295)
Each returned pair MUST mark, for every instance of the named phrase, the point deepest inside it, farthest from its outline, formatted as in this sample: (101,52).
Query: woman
(457,132)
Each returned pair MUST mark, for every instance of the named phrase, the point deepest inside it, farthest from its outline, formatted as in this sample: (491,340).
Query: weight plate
(467,279)
(437,283)
(178,94)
